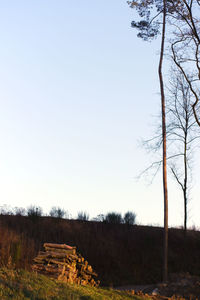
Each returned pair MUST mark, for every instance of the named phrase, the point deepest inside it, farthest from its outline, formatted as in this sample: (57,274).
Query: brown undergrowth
(120,254)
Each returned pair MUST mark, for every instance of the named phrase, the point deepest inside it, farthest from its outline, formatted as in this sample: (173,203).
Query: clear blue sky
(77,91)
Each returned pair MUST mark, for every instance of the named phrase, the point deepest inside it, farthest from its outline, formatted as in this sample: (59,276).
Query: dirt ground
(180,286)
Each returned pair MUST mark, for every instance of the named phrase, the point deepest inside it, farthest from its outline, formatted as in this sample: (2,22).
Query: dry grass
(21,285)
(120,254)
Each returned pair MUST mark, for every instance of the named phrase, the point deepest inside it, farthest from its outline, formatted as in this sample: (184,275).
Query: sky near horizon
(77,92)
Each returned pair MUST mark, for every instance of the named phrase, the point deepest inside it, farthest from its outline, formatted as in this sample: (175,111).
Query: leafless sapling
(182,134)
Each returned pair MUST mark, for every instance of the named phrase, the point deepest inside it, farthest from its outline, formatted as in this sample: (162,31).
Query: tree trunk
(185,210)
(185,176)
(165,244)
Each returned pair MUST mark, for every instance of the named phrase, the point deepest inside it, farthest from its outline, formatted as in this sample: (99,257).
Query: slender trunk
(185,210)
(185,176)
(165,244)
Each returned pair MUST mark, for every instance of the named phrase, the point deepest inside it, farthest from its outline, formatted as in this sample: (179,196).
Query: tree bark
(185,175)
(165,192)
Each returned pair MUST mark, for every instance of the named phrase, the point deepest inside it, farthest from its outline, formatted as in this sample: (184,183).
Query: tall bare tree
(165,190)
(185,45)
(182,133)
(148,28)
(184,19)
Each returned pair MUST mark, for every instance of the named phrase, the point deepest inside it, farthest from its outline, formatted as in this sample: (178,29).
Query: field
(121,255)
(21,285)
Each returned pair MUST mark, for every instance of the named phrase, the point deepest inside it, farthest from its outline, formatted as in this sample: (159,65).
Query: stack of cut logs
(61,261)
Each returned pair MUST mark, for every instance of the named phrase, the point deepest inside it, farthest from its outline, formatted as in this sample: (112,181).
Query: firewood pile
(62,262)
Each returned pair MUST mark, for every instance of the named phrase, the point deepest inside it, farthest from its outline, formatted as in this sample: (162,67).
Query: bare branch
(177,177)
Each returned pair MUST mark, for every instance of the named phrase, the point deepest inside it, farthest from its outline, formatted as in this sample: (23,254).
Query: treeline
(33,212)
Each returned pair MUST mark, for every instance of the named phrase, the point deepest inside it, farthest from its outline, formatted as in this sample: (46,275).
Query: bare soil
(180,286)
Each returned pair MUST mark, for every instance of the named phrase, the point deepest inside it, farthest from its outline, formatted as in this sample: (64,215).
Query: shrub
(99,218)
(83,216)
(34,212)
(114,218)
(19,211)
(57,212)
(6,210)
(129,218)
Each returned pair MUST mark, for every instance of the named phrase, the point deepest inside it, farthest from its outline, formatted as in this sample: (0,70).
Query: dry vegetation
(120,254)
(23,285)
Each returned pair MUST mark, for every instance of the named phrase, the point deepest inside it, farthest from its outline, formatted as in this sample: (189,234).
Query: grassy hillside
(120,254)
(21,285)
